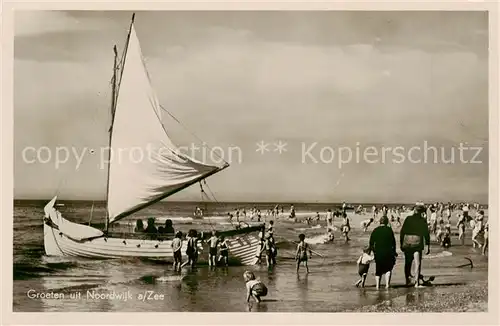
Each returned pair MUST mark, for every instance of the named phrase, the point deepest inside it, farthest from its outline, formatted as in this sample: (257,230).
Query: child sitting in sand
(255,288)
(363,266)
(330,237)
(301,254)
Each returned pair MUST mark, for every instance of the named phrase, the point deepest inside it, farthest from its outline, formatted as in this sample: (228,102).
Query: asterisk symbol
(262,147)
(280,147)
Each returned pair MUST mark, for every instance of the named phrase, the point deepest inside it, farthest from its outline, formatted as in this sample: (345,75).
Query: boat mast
(113,107)
(114,95)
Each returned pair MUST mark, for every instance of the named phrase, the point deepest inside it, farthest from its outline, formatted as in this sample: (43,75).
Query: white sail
(144,163)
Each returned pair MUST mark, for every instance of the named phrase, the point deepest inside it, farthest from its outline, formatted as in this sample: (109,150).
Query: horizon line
(258,202)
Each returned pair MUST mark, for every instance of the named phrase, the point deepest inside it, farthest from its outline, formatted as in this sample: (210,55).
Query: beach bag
(411,241)
(260,289)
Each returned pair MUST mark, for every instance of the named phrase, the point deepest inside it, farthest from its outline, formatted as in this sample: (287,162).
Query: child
(269,248)
(192,248)
(270,230)
(446,242)
(224,250)
(255,288)
(273,252)
(465,212)
(365,224)
(330,237)
(346,227)
(176,249)
(461,228)
(393,214)
(439,232)
(301,254)
(261,245)
(477,230)
(329,219)
(212,253)
(485,245)
(447,213)
(363,265)
(398,220)
(433,221)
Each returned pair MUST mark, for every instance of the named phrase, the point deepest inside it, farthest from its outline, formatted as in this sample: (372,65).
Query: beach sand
(472,297)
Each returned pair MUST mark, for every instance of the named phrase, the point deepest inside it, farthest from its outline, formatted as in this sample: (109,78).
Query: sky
(234,79)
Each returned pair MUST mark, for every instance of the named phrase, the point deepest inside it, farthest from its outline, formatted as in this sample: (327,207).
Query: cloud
(234,86)
(44,21)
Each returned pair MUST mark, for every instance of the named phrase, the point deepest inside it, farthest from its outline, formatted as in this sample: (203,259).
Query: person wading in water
(414,233)
(383,245)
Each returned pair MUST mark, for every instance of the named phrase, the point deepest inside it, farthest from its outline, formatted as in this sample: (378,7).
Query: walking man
(414,235)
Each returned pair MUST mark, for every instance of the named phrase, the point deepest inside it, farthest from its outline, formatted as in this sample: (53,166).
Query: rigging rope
(192,133)
(203,200)
(214,198)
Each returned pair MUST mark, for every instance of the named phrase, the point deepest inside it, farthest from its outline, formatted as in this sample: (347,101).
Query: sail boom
(168,194)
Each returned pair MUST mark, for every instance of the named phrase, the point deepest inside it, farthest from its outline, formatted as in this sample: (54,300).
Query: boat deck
(124,232)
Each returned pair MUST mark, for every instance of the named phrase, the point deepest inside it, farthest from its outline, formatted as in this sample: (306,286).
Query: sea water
(60,284)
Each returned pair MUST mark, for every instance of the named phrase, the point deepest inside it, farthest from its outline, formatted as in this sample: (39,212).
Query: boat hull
(243,248)
(65,238)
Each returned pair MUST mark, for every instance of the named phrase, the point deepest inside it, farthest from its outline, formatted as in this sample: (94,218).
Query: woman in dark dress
(383,245)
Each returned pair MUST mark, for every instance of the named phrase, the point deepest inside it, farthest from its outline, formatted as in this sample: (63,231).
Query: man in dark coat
(414,236)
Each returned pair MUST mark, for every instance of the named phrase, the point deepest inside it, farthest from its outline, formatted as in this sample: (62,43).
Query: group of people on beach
(151,228)
(415,239)
(217,245)
(414,236)
(268,245)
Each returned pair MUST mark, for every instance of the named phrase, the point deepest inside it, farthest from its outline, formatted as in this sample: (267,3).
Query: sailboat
(135,185)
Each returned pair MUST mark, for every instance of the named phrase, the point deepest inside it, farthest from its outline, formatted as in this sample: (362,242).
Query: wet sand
(472,297)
